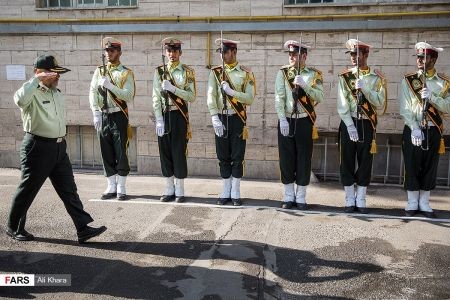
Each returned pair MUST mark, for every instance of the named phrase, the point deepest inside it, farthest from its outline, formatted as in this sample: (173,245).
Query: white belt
(228,111)
(363,116)
(173,107)
(430,123)
(111,110)
(297,116)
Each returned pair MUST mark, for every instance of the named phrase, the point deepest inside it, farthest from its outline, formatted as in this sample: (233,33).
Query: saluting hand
(44,75)
(167,86)
(298,80)
(104,81)
(227,89)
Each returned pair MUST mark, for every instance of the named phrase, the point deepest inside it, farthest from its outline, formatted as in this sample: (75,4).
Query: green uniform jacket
(410,107)
(240,76)
(374,90)
(42,109)
(184,77)
(124,87)
(283,92)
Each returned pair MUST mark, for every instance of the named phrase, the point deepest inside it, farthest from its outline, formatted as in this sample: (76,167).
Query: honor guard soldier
(297,90)
(361,91)
(112,87)
(424,97)
(43,151)
(231,87)
(173,88)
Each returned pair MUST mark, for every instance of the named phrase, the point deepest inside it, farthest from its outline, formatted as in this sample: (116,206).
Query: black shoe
(223,201)
(121,197)
(410,213)
(302,206)
(287,205)
(362,210)
(167,198)
(429,214)
(237,202)
(89,232)
(349,209)
(108,196)
(22,236)
(179,199)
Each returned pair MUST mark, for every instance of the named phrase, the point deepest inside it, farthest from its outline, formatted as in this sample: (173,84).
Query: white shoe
(179,190)
(111,188)
(350,198)
(289,194)
(300,194)
(361,198)
(236,191)
(169,192)
(226,194)
(424,201)
(121,192)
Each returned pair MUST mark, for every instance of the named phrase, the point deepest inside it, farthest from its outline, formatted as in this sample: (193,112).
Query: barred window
(293,2)
(85,3)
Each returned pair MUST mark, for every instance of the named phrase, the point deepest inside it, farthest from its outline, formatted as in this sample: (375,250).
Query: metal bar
(235,26)
(401,168)
(388,156)
(325,163)
(80,137)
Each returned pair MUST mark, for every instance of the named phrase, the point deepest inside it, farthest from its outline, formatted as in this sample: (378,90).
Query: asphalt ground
(198,250)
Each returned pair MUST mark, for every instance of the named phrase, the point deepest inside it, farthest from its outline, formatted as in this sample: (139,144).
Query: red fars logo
(16,280)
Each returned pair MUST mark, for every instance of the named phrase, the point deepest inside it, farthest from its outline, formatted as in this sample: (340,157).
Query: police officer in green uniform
(43,151)
(297,89)
(111,116)
(361,91)
(173,88)
(424,97)
(231,87)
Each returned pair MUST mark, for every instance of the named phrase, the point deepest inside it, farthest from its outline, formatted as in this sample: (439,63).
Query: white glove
(218,126)
(160,126)
(227,89)
(284,126)
(416,137)
(359,84)
(425,93)
(97,120)
(104,81)
(298,80)
(352,132)
(167,86)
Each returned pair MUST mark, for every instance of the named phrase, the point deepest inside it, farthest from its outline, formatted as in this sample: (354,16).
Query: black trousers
(40,159)
(230,148)
(173,146)
(295,152)
(349,150)
(114,144)
(420,165)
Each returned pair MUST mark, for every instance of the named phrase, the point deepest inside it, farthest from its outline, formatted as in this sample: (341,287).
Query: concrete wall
(262,52)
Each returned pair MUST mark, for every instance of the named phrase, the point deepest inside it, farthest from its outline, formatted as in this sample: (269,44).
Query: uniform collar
(431,73)
(304,69)
(111,66)
(232,66)
(175,65)
(363,72)
(43,88)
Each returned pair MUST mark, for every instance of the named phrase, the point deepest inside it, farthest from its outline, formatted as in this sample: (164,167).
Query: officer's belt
(363,116)
(173,107)
(229,111)
(297,116)
(46,139)
(111,110)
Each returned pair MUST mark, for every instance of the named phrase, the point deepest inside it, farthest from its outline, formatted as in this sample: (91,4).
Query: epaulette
(188,68)
(378,72)
(285,67)
(444,76)
(216,67)
(246,69)
(410,74)
(345,72)
(314,69)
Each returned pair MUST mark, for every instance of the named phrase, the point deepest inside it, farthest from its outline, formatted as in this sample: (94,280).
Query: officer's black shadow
(118,278)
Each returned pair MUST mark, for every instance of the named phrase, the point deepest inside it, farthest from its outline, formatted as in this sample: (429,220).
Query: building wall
(261,51)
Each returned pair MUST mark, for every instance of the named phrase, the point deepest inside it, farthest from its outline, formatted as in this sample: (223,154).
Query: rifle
(359,97)
(297,93)
(165,94)
(222,91)
(425,103)
(102,90)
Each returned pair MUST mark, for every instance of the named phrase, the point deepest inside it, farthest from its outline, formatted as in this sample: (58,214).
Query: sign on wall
(15,72)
